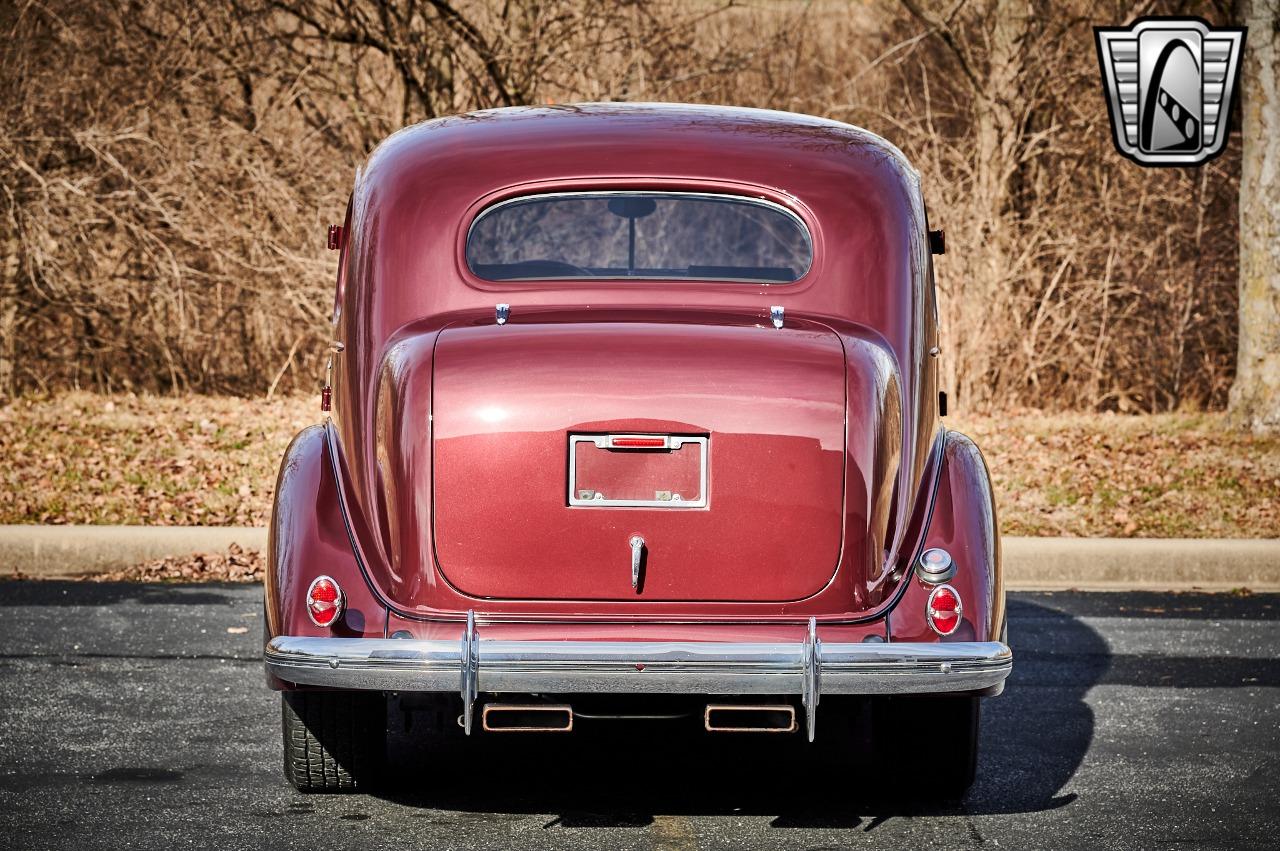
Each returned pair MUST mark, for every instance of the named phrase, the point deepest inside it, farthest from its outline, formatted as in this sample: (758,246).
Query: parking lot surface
(135,716)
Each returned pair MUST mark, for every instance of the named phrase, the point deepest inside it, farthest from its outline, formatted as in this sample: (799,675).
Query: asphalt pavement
(135,716)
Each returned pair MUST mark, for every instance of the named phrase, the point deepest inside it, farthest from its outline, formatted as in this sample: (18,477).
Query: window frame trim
(611,193)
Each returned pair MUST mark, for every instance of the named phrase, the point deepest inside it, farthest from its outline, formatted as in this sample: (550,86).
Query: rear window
(639,236)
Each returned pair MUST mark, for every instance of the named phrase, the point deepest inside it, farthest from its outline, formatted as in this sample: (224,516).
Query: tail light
(944,610)
(324,601)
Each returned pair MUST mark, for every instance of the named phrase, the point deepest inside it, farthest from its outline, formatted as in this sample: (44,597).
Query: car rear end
(695,506)
(569,585)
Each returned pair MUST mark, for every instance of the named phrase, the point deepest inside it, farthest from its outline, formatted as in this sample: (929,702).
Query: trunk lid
(531,421)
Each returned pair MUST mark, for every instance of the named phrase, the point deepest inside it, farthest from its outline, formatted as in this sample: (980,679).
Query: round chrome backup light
(935,565)
(324,601)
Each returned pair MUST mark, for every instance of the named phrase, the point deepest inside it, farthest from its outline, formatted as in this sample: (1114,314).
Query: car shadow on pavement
(615,774)
(57,592)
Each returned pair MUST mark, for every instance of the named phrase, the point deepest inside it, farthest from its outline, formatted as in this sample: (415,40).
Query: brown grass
(201,460)
(1154,476)
(198,460)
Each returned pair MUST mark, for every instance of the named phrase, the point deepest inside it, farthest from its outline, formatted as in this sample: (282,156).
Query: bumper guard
(807,668)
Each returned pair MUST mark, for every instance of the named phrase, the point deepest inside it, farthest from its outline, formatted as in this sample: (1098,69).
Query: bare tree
(167,170)
(992,60)
(1255,395)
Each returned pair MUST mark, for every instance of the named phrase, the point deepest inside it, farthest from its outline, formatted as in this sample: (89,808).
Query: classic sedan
(633,412)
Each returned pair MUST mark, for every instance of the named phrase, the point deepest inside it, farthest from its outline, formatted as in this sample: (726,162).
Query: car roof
(645,138)
(646,124)
(420,191)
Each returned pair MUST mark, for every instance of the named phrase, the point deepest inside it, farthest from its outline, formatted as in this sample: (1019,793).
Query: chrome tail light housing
(944,610)
(325,601)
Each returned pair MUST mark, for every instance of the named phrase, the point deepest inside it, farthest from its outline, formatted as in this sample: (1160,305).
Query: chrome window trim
(756,200)
(674,441)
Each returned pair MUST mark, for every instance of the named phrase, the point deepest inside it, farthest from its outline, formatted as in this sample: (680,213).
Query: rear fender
(962,522)
(309,538)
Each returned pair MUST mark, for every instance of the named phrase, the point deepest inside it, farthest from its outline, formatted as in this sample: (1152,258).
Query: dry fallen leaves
(206,460)
(235,565)
(1108,475)
(148,460)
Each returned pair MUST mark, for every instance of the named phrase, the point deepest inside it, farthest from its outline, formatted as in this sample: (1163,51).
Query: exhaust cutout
(527,718)
(741,718)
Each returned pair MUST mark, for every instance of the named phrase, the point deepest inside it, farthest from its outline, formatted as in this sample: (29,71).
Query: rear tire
(930,743)
(334,741)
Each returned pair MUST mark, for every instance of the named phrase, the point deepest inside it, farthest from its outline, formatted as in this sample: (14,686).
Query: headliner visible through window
(639,236)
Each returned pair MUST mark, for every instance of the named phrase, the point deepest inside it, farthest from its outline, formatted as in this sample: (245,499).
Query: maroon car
(635,415)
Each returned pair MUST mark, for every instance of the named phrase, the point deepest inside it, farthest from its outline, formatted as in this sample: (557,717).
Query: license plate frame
(648,443)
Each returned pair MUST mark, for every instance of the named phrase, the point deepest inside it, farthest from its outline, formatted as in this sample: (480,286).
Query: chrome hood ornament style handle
(637,552)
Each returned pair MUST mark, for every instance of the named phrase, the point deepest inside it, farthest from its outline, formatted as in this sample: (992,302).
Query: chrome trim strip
(639,667)
(747,200)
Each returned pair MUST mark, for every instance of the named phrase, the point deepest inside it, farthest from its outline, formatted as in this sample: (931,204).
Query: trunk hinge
(778,314)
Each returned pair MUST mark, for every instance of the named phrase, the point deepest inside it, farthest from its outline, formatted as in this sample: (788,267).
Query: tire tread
(333,741)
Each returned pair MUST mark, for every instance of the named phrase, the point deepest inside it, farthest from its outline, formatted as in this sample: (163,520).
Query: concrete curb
(51,552)
(1135,564)
(1049,564)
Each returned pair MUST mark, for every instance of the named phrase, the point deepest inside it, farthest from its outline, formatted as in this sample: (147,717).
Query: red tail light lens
(944,610)
(324,601)
(638,442)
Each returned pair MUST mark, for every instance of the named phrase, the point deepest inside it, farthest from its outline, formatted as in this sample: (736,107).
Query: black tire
(930,743)
(334,741)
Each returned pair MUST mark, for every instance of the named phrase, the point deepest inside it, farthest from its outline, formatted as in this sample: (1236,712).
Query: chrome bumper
(809,668)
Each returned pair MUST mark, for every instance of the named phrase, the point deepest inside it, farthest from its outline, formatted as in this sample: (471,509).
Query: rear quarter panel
(962,522)
(308,538)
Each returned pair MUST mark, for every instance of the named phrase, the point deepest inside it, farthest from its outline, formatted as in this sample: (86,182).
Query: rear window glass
(639,236)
